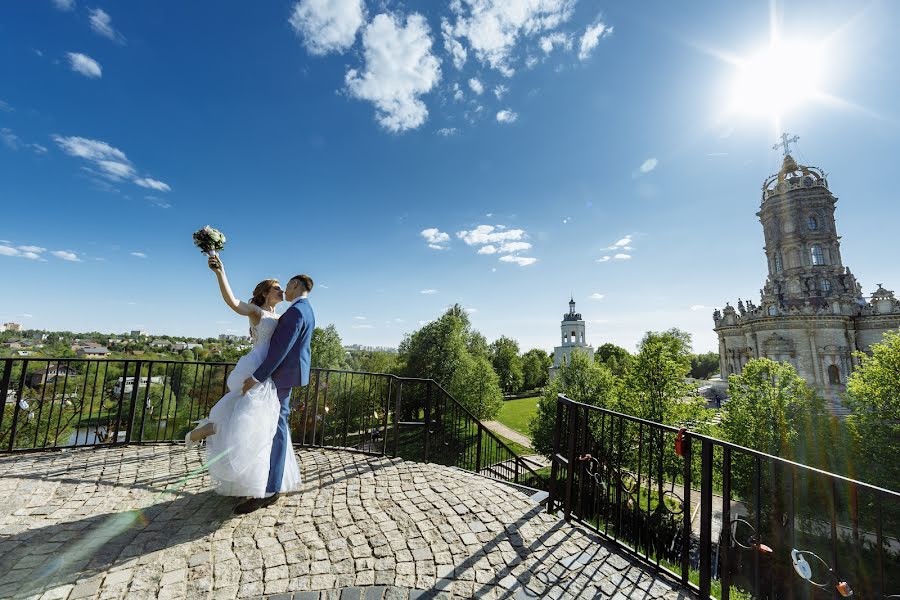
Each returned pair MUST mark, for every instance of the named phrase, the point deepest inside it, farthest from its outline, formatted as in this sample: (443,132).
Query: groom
(287,363)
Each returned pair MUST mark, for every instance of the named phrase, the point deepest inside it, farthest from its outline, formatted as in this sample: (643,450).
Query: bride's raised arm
(241,308)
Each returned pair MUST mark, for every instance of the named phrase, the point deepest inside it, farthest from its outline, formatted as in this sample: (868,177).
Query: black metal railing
(74,402)
(725,520)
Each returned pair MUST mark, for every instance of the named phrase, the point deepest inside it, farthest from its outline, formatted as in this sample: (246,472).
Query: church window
(812,223)
(778,265)
(834,375)
(825,286)
(818,257)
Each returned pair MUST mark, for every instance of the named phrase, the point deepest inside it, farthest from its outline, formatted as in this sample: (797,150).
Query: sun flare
(781,77)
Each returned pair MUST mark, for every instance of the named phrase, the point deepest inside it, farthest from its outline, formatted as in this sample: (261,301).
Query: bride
(240,428)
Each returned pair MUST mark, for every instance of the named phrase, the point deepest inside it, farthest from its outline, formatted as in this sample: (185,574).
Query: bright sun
(783,76)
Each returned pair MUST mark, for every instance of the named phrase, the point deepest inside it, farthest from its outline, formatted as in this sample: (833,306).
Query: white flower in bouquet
(209,240)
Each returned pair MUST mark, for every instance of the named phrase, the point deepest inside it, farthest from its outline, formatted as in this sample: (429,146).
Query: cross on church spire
(786,143)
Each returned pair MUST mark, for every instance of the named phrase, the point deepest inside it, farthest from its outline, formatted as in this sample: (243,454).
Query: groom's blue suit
(287,363)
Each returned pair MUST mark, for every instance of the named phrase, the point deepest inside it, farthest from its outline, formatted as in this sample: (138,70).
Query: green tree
(582,381)
(873,393)
(477,385)
(654,382)
(327,351)
(507,363)
(704,365)
(535,369)
(677,341)
(769,406)
(614,357)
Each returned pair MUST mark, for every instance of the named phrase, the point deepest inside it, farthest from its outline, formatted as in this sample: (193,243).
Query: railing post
(135,387)
(397,417)
(554,463)
(570,468)
(725,535)
(427,421)
(686,532)
(4,386)
(478,449)
(15,422)
(706,494)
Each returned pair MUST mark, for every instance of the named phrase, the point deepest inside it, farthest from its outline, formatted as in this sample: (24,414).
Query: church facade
(573,339)
(812,312)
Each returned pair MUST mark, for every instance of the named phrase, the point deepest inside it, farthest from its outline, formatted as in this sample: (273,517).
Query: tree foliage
(654,386)
(507,363)
(535,369)
(582,381)
(873,393)
(704,365)
(327,351)
(614,357)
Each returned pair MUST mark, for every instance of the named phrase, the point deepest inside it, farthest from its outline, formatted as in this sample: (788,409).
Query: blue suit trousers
(279,442)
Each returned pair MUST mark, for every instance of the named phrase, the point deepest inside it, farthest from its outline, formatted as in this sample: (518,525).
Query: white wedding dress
(237,455)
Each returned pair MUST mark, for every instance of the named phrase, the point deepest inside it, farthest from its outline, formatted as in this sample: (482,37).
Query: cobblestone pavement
(141,522)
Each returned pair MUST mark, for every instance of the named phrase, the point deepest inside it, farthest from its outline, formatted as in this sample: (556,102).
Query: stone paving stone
(361,527)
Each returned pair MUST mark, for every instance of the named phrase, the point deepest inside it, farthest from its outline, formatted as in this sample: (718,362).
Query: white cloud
(5,107)
(139,254)
(157,202)
(648,165)
(507,116)
(476,86)
(361,326)
(101,23)
(489,234)
(697,307)
(493,28)
(65,5)
(500,91)
(557,39)
(428,292)
(622,243)
(37,249)
(453,46)
(8,251)
(471,310)
(591,38)
(510,247)
(597,296)
(153,184)
(107,159)
(436,238)
(327,25)
(66,255)
(10,139)
(359,318)
(399,68)
(84,64)
(489,249)
(38,148)
(446,131)
(522,261)
(621,256)
(602,259)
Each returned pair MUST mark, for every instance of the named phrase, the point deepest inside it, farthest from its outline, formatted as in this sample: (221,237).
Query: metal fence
(74,402)
(725,520)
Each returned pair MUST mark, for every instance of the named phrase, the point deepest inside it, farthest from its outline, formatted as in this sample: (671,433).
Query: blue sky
(326,137)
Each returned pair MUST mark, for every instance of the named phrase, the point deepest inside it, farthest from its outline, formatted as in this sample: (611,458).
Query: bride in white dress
(240,427)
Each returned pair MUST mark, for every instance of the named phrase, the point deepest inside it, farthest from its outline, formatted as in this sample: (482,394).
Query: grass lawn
(516,414)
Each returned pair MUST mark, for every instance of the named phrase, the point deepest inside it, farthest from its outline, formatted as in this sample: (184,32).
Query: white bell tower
(573,337)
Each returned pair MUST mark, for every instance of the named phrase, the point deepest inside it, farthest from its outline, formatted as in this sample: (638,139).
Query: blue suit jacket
(287,361)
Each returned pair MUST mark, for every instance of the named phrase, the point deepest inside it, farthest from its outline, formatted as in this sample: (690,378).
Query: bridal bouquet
(209,240)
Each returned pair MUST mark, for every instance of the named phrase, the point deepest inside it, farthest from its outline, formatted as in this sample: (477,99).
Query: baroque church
(573,338)
(812,312)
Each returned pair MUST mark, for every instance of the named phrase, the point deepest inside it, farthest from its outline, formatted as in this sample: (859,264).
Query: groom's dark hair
(305,280)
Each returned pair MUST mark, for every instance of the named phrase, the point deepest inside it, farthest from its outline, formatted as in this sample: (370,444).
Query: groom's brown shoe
(248,506)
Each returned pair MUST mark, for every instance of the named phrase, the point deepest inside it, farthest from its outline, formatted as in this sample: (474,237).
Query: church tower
(812,312)
(572,338)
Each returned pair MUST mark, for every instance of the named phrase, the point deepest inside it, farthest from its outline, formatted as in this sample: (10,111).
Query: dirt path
(510,434)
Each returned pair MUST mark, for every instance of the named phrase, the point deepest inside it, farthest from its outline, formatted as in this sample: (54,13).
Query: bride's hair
(261,291)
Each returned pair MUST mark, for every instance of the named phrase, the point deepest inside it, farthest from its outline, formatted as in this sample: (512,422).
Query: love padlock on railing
(679,439)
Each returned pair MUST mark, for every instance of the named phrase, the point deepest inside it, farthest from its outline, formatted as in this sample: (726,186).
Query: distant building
(180,346)
(12,327)
(137,333)
(228,337)
(361,348)
(92,351)
(128,382)
(812,312)
(161,344)
(49,375)
(573,339)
